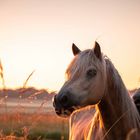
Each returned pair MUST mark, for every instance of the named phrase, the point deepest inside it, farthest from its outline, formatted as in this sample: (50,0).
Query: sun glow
(37,35)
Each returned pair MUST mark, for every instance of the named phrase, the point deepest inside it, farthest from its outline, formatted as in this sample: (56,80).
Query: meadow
(23,121)
(27,113)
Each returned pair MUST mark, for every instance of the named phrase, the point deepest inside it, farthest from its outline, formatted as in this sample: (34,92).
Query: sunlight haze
(38,34)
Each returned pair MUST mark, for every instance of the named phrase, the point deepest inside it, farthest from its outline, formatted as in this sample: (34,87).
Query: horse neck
(116,108)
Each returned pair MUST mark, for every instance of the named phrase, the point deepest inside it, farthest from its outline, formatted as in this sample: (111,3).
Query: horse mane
(118,102)
(122,95)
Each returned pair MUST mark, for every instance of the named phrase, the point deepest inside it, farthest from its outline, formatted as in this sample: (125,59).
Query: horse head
(85,83)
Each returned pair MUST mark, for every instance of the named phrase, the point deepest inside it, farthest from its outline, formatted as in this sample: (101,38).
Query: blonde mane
(117,96)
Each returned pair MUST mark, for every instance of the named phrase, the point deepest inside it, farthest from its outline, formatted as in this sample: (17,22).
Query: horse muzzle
(63,106)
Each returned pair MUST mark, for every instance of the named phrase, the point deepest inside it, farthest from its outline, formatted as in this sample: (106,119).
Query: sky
(38,34)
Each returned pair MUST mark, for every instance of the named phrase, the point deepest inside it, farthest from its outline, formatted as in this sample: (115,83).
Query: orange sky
(37,35)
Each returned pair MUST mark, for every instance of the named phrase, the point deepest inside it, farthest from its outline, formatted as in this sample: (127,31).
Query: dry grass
(26,81)
(19,125)
(33,126)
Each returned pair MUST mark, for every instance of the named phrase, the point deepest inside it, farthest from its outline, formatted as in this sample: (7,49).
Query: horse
(91,80)
(136,98)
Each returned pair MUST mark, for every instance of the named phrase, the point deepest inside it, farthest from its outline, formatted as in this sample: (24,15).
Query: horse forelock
(81,62)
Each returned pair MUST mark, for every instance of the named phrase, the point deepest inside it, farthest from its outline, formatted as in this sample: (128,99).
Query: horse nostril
(64,100)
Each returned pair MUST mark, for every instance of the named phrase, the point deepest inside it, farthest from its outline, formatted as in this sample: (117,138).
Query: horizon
(38,35)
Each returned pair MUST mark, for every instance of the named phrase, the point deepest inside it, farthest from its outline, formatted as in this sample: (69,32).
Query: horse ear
(97,50)
(75,49)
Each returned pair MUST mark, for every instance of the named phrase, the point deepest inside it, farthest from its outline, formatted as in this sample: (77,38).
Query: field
(28,114)
(33,120)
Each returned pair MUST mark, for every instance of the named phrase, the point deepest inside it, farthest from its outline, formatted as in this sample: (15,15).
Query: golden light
(37,35)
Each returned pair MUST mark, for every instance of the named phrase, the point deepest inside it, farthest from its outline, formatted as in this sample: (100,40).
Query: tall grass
(33,126)
(18,125)
(26,81)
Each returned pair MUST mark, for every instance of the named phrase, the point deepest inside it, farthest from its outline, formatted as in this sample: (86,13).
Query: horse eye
(91,73)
